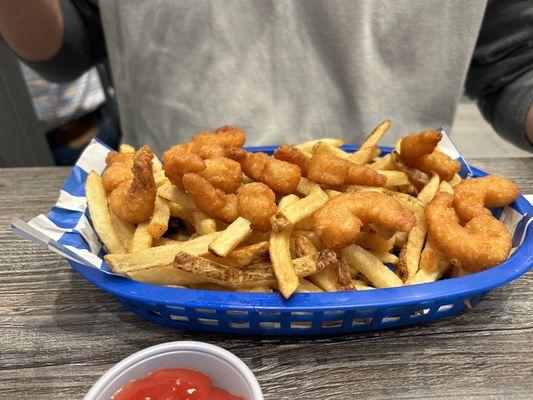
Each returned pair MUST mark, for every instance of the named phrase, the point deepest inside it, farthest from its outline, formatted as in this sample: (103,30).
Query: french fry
(255,289)
(100,216)
(334,278)
(246,179)
(361,188)
(303,246)
(305,224)
(158,256)
(417,177)
(408,264)
(361,285)
(433,264)
(374,241)
(156,165)
(165,275)
(445,187)
(170,192)
(384,256)
(384,163)
(158,225)
(399,239)
(123,229)
(126,148)
(395,178)
(305,186)
(455,180)
(257,237)
(280,256)
(377,273)
(247,255)
(231,237)
(260,274)
(332,193)
(203,224)
(308,146)
(365,152)
(311,235)
(307,287)
(330,149)
(142,239)
(430,190)
(287,200)
(160,179)
(303,208)
(163,241)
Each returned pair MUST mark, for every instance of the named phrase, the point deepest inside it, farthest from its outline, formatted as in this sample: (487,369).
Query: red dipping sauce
(173,384)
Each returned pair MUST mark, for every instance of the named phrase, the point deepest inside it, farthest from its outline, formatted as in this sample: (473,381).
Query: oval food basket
(306,313)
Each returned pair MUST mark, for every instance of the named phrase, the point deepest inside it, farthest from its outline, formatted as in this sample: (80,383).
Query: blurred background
(44,123)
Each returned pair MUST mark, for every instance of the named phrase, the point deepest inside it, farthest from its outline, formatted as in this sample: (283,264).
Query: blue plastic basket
(307,313)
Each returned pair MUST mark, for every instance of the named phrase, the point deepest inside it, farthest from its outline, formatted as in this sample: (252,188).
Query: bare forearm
(32,28)
(529,125)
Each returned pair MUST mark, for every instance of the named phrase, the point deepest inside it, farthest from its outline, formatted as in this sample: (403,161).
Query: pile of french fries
(208,254)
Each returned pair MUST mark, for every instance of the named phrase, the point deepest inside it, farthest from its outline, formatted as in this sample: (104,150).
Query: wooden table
(59,333)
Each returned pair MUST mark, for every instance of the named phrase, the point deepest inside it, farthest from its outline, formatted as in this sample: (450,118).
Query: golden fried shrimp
(177,161)
(419,150)
(223,173)
(228,136)
(331,170)
(212,201)
(280,176)
(472,196)
(292,155)
(209,145)
(118,170)
(257,203)
(134,199)
(482,243)
(339,221)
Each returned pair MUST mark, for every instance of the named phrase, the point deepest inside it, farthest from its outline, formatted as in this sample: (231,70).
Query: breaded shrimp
(473,195)
(208,144)
(257,203)
(177,161)
(482,243)
(331,170)
(292,155)
(339,221)
(223,173)
(419,150)
(118,169)
(280,176)
(212,201)
(134,199)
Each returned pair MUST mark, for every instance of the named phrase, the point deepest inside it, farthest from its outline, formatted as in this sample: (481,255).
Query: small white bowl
(224,369)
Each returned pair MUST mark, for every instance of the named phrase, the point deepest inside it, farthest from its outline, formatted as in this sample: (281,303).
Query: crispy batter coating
(292,155)
(118,170)
(482,243)
(223,173)
(339,221)
(134,199)
(177,161)
(331,170)
(257,203)
(472,196)
(280,176)
(208,144)
(419,151)
(212,201)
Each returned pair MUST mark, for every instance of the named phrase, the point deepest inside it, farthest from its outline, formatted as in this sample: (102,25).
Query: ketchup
(173,384)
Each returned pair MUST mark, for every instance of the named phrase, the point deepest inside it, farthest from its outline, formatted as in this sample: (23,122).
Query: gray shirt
(287,71)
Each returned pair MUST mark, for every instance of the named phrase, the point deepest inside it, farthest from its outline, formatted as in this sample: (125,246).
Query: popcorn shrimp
(472,196)
(419,150)
(212,201)
(280,176)
(208,144)
(331,170)
(134,199)
(292,155)
(223,173)
(257,203)
(177,161)
(482,243)
(118,170)
(339,221)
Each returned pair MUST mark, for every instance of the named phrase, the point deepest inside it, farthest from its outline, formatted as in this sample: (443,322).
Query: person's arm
(501,72)
(59,39)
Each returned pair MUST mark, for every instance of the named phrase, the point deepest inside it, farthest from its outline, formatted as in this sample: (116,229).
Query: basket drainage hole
(334,312)
(445,307)
(300,325)
(179,317)
(391,318)
(419,313)
(335,323)
(208,321)
(269,313)
(205,310)
(237,312)
(154,313)
(301,313)
(239,325)
(269,325)
(361,321)
(176,308)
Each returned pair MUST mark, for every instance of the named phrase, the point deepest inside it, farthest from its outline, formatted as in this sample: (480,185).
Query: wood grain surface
(59,333)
